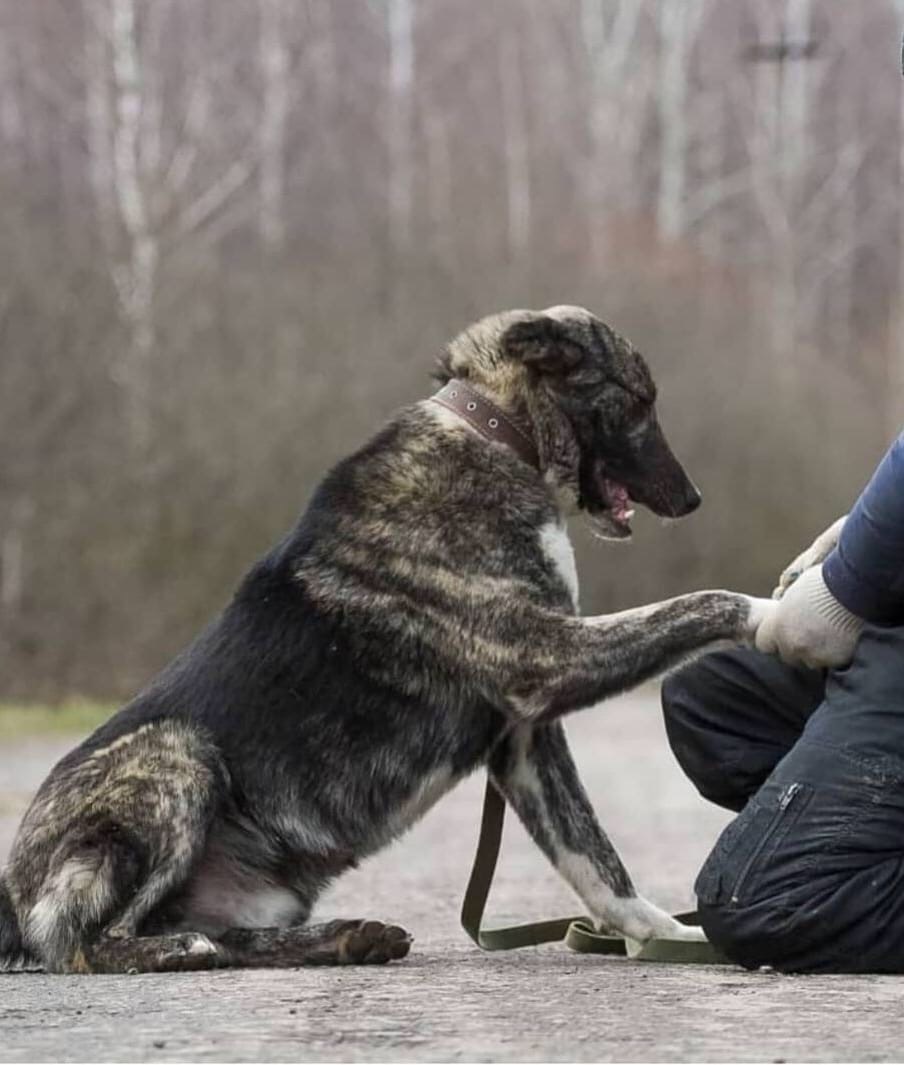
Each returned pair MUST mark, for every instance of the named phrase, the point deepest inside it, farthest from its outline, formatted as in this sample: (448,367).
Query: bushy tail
(13,955)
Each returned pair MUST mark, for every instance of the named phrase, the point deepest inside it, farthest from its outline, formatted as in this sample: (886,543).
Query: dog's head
(590,400)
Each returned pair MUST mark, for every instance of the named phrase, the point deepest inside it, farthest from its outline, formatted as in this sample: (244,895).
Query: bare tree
(11,119)
(895,410)
(135,275)
(400,24)
(678,26)
(145,180)
(274,59)
(100,121)
(616,102)
(169,394)
(517,147)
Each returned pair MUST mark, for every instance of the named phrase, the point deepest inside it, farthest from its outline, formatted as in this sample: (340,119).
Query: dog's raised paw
(372,943)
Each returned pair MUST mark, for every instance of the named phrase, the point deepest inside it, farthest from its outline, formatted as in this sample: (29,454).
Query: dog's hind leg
(333,943)
(106,842)
(533,768)
(341,942)
(99,891)
(178,952)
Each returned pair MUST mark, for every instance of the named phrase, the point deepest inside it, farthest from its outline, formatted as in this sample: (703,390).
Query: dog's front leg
(533,768)
(564,663)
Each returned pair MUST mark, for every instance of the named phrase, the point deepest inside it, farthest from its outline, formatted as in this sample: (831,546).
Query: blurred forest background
(234,234)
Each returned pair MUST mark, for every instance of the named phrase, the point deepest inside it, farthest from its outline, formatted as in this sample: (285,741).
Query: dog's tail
(14,957)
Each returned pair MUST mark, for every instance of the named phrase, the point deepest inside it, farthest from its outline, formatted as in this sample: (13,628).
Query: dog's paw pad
(373,943)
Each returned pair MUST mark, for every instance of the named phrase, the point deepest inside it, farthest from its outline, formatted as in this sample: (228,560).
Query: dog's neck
(489,420)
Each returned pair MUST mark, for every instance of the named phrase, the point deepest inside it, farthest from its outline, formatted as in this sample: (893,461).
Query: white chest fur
(556,545)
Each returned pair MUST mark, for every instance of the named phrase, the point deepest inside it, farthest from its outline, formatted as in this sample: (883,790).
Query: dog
(419,622)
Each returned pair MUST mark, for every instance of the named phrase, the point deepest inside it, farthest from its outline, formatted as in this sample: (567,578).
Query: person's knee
(684,701)
(833,920)
(752,936)
(692,723)
(744,912)
(682,726)
(757,888)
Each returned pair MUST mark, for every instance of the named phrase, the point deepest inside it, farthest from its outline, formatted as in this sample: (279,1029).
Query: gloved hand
(809,626)
(817,552)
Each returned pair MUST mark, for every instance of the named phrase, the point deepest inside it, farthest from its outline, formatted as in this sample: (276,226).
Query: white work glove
(817,552)
(809,626)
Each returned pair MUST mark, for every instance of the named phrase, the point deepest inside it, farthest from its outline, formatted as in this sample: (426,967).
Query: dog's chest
(556,546)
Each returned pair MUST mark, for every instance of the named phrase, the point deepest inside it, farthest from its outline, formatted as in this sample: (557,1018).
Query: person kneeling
(804,738)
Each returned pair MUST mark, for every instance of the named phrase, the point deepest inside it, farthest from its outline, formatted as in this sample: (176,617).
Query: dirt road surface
(447,1001)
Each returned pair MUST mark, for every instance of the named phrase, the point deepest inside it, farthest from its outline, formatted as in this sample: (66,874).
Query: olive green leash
(576,932)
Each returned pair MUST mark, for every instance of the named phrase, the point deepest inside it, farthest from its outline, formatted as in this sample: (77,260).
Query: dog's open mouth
(609,506)
(618,502)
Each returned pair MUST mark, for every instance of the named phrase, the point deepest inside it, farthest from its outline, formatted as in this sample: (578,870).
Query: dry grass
(71,717)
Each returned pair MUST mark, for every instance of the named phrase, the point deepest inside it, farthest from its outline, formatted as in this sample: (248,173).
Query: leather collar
(491,422)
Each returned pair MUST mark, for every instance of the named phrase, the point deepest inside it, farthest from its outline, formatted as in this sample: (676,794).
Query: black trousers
(809,877)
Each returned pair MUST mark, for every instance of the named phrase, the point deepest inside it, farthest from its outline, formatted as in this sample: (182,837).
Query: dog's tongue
(618,499)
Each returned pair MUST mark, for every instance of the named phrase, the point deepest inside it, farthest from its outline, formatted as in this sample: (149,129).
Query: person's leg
(810,875)
(731,716)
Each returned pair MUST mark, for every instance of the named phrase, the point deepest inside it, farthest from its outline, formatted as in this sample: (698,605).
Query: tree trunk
(517,148)
(677,28)
(274,60)
(401,79)
(136,275)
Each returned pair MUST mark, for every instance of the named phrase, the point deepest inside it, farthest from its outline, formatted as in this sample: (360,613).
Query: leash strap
(577,933)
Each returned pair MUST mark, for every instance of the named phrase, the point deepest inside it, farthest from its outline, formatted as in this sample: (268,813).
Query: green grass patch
(73,717)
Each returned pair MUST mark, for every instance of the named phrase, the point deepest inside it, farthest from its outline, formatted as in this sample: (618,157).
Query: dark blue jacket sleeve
(865,572)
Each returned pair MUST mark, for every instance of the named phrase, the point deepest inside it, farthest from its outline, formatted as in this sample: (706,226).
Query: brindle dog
(418,623)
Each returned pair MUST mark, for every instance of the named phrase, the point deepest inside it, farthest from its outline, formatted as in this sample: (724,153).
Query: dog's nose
(692,499)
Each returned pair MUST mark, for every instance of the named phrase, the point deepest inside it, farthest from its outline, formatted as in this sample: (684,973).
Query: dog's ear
(442,370)
(543,344)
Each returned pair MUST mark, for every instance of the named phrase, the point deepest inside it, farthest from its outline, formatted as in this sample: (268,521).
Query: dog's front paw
(638,920)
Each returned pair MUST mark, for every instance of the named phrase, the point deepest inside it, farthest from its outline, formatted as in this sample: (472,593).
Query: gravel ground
(447,1001)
